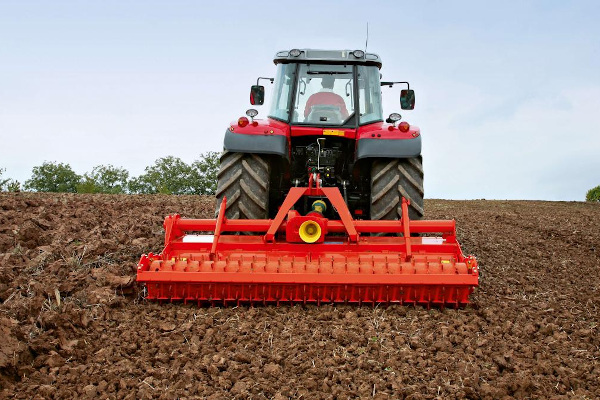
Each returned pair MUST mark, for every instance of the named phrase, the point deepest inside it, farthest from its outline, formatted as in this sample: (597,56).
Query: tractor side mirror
(407,99)
(257,95)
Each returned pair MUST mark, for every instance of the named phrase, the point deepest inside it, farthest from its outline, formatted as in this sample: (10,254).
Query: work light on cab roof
(320,200)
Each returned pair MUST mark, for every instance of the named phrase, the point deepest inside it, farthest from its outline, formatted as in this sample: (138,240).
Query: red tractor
(325,118)
(321,202)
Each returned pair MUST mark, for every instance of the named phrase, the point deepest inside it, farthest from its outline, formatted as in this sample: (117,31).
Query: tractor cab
(325,123)
(325,88)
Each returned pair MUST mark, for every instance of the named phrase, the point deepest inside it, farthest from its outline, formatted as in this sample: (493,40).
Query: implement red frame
(346,267)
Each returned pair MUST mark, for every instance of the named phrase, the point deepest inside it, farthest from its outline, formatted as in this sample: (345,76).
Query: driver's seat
(327,113)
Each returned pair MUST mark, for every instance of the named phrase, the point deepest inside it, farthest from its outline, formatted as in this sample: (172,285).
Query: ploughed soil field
(73,325)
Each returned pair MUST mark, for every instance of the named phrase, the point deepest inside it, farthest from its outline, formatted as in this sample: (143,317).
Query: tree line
(168,175)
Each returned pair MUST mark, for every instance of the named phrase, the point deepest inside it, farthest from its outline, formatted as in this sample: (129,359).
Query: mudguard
(388,148)
(258,144)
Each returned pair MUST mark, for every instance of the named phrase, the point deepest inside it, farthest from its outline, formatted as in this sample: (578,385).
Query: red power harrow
(301,259)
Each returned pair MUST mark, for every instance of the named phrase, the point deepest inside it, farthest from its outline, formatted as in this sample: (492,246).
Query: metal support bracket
(219,225)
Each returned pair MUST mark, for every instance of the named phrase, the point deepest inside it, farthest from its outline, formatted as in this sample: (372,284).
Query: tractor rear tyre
(244,179)
(392,179)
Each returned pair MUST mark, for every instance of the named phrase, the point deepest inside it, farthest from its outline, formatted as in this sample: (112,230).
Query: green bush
(8,185)
(593,194)
(53,177)
(104,179)
(171,175)
(168,175)
(204,173)
(13,186)
(87,185)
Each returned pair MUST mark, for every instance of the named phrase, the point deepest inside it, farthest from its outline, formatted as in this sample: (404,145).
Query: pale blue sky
(508,93)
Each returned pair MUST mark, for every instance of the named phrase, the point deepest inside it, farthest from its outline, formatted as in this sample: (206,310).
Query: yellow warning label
(445,261)
(333,132)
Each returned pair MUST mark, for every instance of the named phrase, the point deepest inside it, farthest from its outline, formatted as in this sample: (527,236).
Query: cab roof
(327,57)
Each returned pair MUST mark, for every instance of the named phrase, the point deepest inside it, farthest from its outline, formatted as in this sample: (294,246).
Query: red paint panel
(261,127)
(384,130)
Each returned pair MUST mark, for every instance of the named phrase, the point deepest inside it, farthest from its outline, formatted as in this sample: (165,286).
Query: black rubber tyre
(244,179)
(392,179)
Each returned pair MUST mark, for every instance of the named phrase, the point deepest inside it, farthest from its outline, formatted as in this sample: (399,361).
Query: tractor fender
(388,148)
(256,143)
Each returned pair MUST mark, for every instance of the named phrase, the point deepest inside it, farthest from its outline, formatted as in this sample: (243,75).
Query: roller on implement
(322,202)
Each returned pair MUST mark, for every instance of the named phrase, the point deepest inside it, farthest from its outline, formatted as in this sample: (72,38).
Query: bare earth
(73,325)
